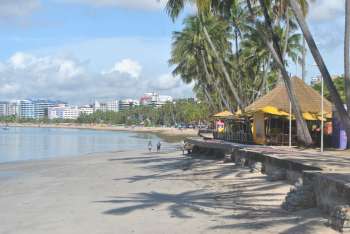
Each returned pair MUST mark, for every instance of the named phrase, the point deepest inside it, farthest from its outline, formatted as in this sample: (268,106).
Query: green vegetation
(339,85)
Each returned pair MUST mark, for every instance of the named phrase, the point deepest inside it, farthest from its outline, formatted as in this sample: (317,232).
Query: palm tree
(271,40)
(347,54)
(174,7)
(191,52)
(344,117)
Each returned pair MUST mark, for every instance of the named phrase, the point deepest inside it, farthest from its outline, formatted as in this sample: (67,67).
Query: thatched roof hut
(309,99)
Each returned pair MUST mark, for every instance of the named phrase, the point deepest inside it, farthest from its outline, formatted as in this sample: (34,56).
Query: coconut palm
(347,54)
(174,7)
(335,97)
(191,50)
(272,42)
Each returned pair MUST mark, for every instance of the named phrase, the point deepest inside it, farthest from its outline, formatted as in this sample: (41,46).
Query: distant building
(87,110)
(127,104)
(41,107)
(13,108)
(317,79)
(112,105)
(4,108)
(26,109)
(154,99)
(63,112)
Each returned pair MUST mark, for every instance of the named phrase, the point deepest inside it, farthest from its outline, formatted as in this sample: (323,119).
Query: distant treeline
(170,114)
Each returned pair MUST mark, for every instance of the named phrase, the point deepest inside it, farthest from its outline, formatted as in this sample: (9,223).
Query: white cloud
(166,82)
(17,8)
(128,66)
(326,9)
(21,60)
(25,75)
(129,4)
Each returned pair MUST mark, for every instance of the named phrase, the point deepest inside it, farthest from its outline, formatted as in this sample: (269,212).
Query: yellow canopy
(274,111)
(306,115)
(224,114)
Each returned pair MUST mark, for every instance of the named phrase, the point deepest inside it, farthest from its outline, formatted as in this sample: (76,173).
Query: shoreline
(166,133)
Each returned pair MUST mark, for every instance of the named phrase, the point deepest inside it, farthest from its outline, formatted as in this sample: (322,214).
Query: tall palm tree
(347,54)
(335,97)
(174,7)
(273,44)
(191,53)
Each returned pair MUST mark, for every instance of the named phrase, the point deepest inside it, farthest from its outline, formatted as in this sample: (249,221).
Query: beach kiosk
(273,118)
(219,123)
(232,127)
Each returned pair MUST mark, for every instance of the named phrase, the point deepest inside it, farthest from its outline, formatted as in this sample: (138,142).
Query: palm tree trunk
(211,81)
(285,46)
(303,61)
(224,70)
(347,54)
(273,45)
(209,98)
(335,97)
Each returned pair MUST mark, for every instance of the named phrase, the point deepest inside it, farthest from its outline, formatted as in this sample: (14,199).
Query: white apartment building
(112,105)
(154,99)
(127,104)
(63,112)
(87,110)
(4,108)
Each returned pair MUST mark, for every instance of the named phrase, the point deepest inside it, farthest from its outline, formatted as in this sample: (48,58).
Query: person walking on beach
(149,145)
(158,146)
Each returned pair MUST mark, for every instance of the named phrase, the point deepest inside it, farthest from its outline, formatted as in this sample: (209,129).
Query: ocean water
(40,143)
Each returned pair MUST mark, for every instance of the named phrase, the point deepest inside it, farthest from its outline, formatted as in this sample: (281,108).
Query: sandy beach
(140,192)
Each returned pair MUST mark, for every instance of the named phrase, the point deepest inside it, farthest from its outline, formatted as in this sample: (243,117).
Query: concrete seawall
(321,181)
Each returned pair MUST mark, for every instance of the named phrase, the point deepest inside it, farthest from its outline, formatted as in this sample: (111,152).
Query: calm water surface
(38,143)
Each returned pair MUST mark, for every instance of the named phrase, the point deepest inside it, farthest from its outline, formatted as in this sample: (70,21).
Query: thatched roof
(309,99)
(224,114)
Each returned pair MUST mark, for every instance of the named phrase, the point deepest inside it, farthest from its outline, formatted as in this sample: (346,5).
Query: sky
(82,50)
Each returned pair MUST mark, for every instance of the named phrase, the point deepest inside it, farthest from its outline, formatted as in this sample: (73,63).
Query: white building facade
(63,112)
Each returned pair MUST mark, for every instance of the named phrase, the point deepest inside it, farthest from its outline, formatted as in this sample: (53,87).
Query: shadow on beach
(243,201)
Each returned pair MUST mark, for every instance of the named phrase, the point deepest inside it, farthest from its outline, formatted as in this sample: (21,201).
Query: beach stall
(273,119)
(232,127)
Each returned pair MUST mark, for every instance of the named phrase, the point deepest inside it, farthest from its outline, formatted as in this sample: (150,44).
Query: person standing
(158,146)
(150,146)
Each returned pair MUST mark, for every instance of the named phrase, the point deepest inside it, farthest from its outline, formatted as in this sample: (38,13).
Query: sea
(24,143)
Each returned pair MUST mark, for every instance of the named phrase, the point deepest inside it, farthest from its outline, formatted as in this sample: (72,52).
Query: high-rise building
(63,112)
(113,105)
(4,106)
(154,99)
(13,108)
(106,106)
(41,107)
(87,110)
(26,109)
(127,104)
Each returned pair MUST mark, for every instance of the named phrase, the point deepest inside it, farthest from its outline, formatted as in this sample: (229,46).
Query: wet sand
(139,192)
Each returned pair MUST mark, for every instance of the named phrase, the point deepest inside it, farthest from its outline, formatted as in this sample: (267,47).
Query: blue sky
(78,50)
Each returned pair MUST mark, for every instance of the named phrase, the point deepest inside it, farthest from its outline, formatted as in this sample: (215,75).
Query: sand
(139,192)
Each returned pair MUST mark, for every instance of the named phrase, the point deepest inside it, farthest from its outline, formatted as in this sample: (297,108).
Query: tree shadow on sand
(182,205)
